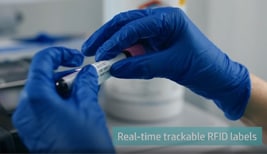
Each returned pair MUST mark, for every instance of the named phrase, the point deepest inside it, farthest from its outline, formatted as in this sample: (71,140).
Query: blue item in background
(46,38)
(177,50)
(26,47)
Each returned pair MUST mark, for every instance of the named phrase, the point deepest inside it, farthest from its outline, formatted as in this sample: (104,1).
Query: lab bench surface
(190,116)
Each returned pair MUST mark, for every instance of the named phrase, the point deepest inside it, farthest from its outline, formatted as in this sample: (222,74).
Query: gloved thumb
(86,84)
(143,67)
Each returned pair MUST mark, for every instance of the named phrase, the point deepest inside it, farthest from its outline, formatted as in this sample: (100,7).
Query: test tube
(64,84)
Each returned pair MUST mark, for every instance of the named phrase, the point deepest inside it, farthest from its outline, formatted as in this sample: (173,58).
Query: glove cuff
(234,101)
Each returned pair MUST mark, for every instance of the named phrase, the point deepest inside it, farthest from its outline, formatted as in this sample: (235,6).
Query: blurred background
(237,27)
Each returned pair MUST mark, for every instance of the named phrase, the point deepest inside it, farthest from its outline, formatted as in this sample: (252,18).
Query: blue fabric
(41,40)
(47,122)
(177,50)
(45,38)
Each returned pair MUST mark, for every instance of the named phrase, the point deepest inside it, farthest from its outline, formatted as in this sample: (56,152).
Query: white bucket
(142,100)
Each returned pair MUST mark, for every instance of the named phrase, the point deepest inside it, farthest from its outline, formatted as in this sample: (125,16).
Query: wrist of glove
(176,50)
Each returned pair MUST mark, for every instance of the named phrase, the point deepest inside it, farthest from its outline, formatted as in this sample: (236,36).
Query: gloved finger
(85,86)
(41,73)
(91,45)
(143,28)
(61,74)
(142,67)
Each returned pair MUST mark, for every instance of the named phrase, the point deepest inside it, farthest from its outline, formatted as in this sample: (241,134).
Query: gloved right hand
(176,50)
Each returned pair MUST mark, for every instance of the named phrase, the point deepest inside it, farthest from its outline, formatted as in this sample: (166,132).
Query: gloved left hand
(47,122)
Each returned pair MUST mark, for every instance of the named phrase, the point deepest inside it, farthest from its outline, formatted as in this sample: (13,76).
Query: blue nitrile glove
(176,50)
(47,122)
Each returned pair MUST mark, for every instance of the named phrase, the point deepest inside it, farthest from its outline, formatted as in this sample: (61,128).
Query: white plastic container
(142,100)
